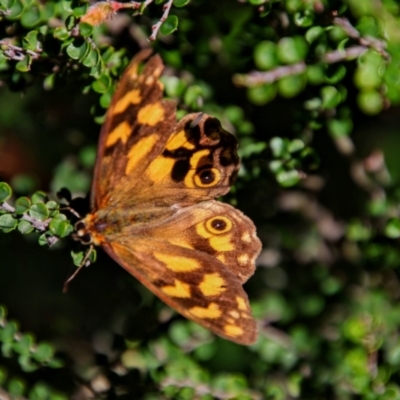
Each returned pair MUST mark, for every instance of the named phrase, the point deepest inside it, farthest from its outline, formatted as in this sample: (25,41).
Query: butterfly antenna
(83,264)
(71,210)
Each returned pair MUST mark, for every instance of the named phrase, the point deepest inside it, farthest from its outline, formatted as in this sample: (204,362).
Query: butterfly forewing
(137,126)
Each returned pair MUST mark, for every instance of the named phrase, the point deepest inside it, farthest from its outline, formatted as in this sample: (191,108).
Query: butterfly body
(153,207)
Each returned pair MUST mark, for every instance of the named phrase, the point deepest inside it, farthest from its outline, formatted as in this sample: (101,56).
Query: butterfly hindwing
(196,261)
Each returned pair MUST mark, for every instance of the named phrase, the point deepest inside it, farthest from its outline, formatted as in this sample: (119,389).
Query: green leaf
(48,82)
(16,10)
(67,5)
(47,11)
(8,222)
(335,74)
(26,363)
(263,94)
(169,25)
(43,240)
(61,33)
(265,55)
(24,65)
(174,87)
(31,41)
(314,33)
(102,84)
(39,211)
(79,11)
(257,2)
(79,256)
(39,197)
(52,206)
(356,231)
(24,344)
(25,227)
(9,331)
(5,192)
(193,97)
(85,29)
(56,363)
(295,146)
(70,22)
(22,205)
(292,49)
(370,102)
(105,99)
(279,146)
(340,127)
(3,376)
(288,178)
(91,59)
(60,226)
(16,387)
(3,315)
(291,86)
(304,19)
(43,352)
(330,97)
(31,17)
(77,49)
(180,3)
(392,229)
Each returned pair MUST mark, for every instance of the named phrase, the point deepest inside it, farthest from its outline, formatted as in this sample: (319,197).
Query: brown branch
(345,54)
(155,28)
(103,10)
(36,223)
(17,53)
(256,78)
(367,41)
(6,207)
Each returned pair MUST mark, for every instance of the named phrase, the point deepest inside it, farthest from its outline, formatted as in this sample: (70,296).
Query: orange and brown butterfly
(153,207)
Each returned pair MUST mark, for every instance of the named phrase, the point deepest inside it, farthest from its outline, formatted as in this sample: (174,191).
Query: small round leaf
(39,197)
(25,227)
(39,211)
(22,205)
(169,25)
(8,222)
(180,3)
(5,192)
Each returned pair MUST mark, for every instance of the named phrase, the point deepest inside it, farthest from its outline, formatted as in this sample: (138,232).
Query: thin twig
(155,28)
(367,41)
(256,78)
(37,224)
(6,207)
(345,54)
(18,53)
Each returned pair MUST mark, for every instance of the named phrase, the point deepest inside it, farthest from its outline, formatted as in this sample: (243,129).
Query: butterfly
(153,209)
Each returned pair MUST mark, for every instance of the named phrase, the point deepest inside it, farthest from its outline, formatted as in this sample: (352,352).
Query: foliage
(311,89)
